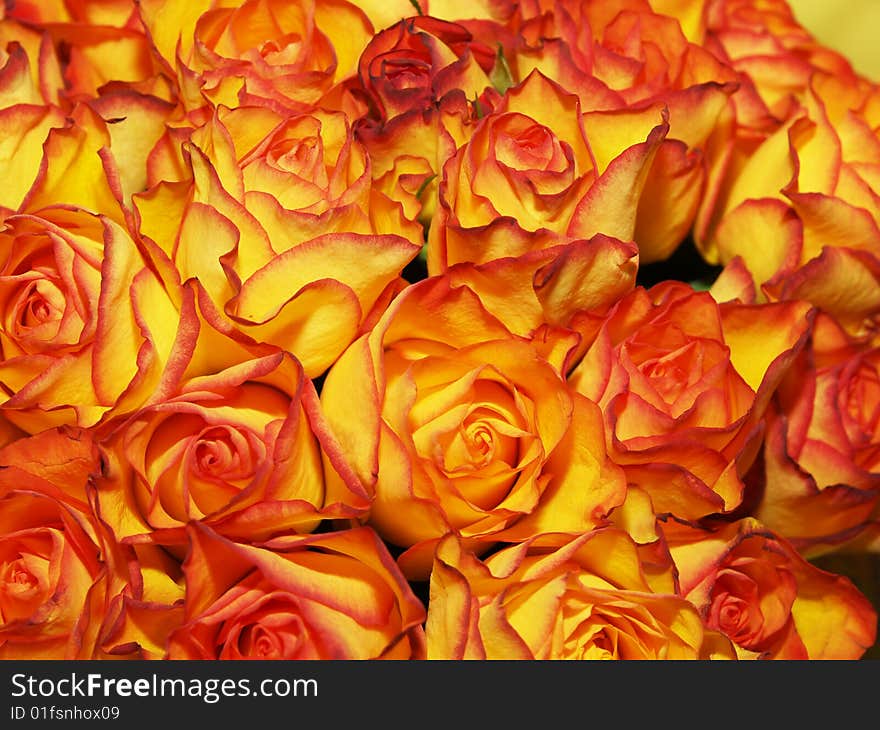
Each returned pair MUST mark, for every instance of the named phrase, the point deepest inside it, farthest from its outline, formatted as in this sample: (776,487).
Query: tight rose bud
(414,63)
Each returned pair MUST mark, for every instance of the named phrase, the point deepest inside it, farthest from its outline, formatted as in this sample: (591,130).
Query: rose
(556,597)
(58,567)
(820,481)
(625,55)
(287,200)
(797,166)
(415,62)
(529,178)
(335,595)
(85,326)
(684,383)
(465,427)
(753,586)
(813,210)
(234,439)
(223,54)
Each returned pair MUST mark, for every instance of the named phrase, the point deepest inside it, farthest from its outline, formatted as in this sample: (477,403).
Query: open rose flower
(58,569)
(684,383)
(588,597)
(331,596)
(820,485)
(83,321)
(236,443)
(797,168)
(288,201)
(465,427)
(806,192)
(226,56)
(624,55)
(755,588)
(531,177)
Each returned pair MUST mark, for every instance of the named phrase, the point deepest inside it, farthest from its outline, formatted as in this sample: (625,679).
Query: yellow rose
(754,587)
(234,438)
(467,428)
(336,596)
(531,177)
(85,325)
(302,249)
(556,597)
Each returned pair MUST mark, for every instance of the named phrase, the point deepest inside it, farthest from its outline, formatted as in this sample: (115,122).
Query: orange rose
(556,597)
(467,428)
(530,177)
(58,569)
(821,469)
(102,43)
(796,167)
(302,249)
(684,383)
(754,587)
(224,55)
(407,153)
(331,596)
(624,54)
(85,326)
(235,440)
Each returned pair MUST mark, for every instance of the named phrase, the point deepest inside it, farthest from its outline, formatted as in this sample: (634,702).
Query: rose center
(18,581)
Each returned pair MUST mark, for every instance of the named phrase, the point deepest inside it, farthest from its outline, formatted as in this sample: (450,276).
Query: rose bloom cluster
(328,331)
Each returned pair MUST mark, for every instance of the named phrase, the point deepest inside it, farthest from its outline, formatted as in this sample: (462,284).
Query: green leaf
(500,75)
(415,4)
(700,285)
(424,185)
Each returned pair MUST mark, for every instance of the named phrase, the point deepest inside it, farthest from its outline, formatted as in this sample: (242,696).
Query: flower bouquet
(399,329)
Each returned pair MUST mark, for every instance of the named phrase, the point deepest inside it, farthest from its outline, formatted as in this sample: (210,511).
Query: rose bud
(684,384)
(754,587)
(465,427)
(414,63)
(557,597)
(335,595)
